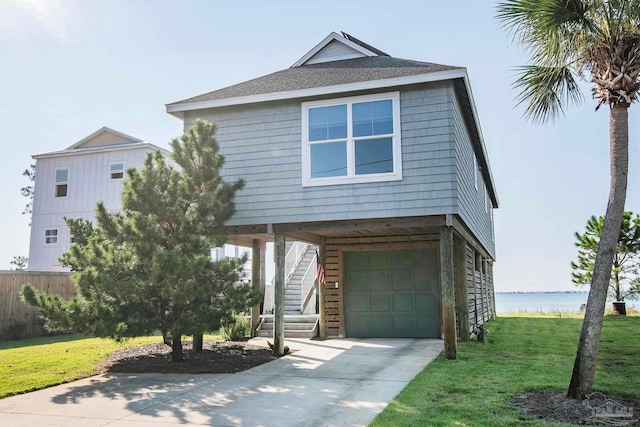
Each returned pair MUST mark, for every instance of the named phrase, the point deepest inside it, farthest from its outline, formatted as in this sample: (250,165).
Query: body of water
(543,302)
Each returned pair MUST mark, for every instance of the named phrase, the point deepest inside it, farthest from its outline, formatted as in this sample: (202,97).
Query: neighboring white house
(69,183)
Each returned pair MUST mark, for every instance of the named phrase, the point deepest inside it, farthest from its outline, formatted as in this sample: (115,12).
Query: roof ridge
(363,44)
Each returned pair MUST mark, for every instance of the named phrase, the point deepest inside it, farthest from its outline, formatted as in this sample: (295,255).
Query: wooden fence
(18,320)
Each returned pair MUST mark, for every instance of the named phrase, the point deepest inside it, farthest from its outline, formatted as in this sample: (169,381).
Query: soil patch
(553,405)
(216,358)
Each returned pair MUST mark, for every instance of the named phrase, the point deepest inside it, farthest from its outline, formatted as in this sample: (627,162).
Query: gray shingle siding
(262,145)
(471,202)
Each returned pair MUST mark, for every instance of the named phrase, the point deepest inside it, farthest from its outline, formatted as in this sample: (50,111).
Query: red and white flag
(320,273)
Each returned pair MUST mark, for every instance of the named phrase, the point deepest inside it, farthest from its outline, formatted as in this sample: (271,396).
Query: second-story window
(62,181)
(51,236)
(116,170)
(351,140)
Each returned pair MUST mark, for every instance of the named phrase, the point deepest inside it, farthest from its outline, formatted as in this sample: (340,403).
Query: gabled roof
(341,64)
(104,136)
(104,139)
(335,48)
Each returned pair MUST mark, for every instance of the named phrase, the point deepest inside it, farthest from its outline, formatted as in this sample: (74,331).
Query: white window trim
(111,178)
(475,171)
(57,236)
(486,199)
(56,183)
(351,177)
(493,229)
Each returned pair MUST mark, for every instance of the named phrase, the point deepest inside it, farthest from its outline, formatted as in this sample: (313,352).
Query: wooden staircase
(293,288)
(295,326)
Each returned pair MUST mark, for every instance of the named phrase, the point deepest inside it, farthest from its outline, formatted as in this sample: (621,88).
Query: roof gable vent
(336,47)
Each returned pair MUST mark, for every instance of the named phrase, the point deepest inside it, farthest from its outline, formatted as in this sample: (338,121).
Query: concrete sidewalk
(340,382)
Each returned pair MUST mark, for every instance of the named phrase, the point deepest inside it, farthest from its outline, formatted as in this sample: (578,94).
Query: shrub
(236,330)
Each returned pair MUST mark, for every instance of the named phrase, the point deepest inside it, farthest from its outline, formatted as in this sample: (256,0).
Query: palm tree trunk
(584,367)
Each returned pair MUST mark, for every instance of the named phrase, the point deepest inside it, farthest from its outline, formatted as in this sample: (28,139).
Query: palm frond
(531,20)
(546,90)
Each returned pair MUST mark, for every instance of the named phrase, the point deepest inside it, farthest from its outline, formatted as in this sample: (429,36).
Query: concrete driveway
(340,382)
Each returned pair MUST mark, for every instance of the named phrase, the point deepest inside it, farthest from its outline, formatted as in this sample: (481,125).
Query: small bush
(237,330)
(16,330)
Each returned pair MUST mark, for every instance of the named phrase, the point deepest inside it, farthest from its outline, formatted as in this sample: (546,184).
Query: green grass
(36,363)
(521,354)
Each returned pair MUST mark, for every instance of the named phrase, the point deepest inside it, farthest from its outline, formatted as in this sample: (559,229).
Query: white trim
(323,90)
(102,149)
(486,201)
(56,182)
(110,172)
(331,37)
(351,177)
(57,236)
(475,171)
(124,136)
(335,58)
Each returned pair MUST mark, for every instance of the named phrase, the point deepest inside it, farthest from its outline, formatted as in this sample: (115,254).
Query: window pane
(117,170)
(329,159)
(373,118)
(327,123)
(61,190)
(51,237)
(374,156)
(62,175)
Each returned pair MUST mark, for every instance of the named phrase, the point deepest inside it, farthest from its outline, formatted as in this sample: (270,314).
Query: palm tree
(597,40)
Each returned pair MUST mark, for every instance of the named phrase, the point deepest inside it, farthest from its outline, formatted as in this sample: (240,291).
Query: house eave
(478,142)
(101,149)
(178,110)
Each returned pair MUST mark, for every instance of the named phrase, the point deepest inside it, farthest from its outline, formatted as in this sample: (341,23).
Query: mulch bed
(553,405)
(215,358)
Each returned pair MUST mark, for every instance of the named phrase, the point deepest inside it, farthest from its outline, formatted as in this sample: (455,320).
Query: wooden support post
(476,321)
(278,292)
(322,306)
(485,288)
(256,259)
(263,272)
(448,292)
(493,292)
(462,292)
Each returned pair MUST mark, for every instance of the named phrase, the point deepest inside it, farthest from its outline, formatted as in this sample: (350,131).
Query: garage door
(392,294)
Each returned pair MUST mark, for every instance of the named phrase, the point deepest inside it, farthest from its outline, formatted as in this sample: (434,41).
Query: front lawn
(521,354)
(37,363)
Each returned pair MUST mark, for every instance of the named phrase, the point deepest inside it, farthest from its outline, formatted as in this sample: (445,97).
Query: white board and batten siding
(89,182)
(262,145)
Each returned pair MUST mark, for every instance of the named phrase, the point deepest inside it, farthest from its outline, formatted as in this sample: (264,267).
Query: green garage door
(392,294)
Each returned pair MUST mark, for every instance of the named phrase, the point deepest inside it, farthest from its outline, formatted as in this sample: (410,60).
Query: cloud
(54,16)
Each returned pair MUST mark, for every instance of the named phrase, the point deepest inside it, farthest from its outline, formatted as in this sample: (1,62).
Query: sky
(69,67)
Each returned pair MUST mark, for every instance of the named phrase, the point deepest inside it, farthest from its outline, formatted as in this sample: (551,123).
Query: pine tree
(624,273)
(149,266)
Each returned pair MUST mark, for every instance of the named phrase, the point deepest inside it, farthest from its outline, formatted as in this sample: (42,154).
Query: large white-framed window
(51,236)
(116,170)
(62,182)
(351,140)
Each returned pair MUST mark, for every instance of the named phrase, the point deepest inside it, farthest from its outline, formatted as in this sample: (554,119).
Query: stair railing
(308,282)
(293,258)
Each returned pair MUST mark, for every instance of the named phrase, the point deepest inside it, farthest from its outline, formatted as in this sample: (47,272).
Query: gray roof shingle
(321,75)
